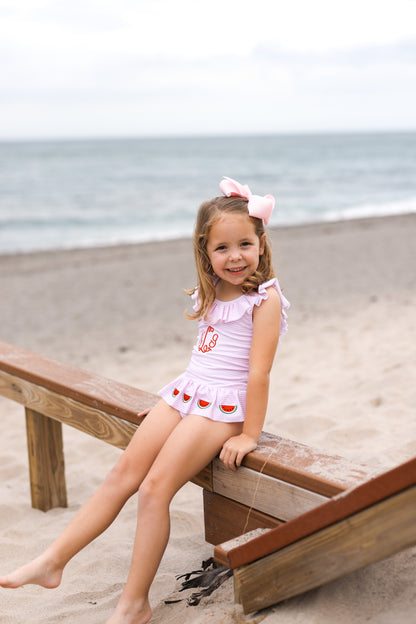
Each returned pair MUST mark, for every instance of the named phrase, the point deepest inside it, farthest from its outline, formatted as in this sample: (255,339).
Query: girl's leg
(189,448)
(104,505)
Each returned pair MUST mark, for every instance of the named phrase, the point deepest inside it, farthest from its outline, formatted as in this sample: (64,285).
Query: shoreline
(181,238)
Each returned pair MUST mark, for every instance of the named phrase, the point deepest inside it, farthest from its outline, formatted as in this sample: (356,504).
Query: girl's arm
(266,330)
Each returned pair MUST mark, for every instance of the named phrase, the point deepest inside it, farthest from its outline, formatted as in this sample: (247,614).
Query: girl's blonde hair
(209,212)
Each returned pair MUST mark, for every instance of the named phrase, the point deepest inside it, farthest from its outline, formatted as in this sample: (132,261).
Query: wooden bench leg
(46,461)
(226,519)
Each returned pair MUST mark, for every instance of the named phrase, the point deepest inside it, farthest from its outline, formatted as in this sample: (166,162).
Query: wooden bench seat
(277,481)
(71,382)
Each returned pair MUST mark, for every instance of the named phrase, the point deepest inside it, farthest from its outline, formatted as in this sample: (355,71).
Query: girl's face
(234,249)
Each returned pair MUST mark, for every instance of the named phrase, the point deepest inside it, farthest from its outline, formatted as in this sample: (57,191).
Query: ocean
(77,193)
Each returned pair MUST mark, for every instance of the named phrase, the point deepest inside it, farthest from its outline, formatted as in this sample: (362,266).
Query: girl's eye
(220,248)
(246,244)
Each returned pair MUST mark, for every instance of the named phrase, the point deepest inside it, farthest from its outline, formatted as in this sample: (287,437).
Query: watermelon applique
(185,398)
(203,404)
(228,409)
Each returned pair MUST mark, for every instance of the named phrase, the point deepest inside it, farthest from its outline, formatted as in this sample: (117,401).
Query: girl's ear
(262,243)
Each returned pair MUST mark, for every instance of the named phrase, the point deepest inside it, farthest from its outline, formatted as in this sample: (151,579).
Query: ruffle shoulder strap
(227,311)
(263,294)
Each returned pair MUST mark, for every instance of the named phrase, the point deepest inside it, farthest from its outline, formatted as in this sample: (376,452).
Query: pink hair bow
(258,206)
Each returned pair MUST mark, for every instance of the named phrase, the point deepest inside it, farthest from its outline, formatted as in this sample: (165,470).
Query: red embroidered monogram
(208,342)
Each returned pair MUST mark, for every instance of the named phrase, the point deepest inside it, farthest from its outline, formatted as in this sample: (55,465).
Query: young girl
(217,406)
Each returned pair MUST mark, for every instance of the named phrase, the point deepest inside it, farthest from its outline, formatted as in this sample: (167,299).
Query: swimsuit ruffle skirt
(214,384)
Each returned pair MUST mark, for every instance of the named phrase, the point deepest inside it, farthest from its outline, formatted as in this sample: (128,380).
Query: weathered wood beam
(46,461)
(269,495)
(368,536)
(225,519)
(279,458)
(97,423)
(221,550)
(338,508)
(107,395)
(307,467)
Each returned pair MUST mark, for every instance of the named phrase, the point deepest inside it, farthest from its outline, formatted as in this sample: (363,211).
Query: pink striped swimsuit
(215,382)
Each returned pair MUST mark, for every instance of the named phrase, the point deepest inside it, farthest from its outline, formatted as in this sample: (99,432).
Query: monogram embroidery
(208,341)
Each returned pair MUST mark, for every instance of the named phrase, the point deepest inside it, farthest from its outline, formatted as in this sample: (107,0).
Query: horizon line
(201,135)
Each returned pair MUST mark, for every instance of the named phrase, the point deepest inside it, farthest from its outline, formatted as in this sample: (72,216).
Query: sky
(127,68)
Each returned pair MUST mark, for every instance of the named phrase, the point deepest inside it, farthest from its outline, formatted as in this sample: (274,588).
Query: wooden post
(46,461)
(226,519)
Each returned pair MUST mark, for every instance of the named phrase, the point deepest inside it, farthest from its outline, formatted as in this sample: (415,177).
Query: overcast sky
(86,68)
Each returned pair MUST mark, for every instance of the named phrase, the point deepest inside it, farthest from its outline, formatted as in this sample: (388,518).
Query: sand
(343,381)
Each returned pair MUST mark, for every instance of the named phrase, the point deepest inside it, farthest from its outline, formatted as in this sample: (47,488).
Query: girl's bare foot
(137,612)
(42,571)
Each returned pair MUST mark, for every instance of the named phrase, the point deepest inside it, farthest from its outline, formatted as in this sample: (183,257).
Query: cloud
(155,66)
(399,52)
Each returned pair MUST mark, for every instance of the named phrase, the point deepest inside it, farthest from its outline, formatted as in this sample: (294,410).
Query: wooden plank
(368,536)
(283,459)
(226,519)
(99,424)
(94,390)
(272,496)
(341,506)
(306,467)
(204,478)
(222,549)
(46,461)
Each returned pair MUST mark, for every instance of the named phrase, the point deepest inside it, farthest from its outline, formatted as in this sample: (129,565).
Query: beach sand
(343,381)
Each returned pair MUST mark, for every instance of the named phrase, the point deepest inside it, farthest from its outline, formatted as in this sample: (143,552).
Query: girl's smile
(234,250)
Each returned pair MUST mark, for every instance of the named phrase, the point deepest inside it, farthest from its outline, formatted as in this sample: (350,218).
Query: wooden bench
(367,523)
(276,483)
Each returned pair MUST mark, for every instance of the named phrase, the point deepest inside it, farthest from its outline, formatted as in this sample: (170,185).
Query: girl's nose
(235,254)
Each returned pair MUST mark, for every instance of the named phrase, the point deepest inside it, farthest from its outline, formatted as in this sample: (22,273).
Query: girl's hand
(235,449)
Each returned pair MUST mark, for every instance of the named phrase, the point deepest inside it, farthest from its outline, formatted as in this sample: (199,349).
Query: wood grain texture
(368,536)
(46,461)
(283,459)
(335,509)
(276,457)
(88,388)
(277,498)
(226,519)
(305,466)
(97,423)
(221,550)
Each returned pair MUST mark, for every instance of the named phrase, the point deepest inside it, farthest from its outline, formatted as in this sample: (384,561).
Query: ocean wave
(49,237)
(381,209)
(93,193)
